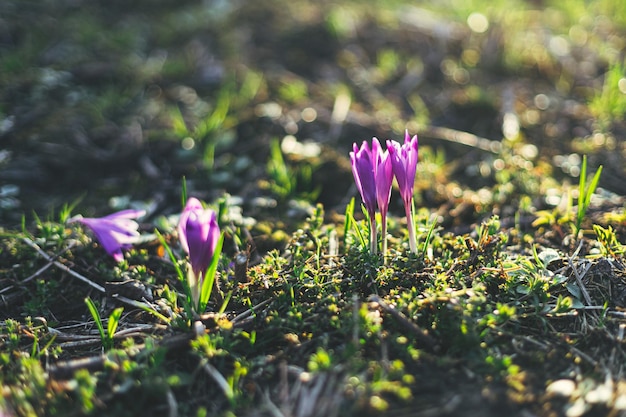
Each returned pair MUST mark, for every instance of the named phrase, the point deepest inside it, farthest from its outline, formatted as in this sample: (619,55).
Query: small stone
(561,388)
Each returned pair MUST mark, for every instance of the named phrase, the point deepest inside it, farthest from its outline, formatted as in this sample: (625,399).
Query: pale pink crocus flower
(198,233)
(115,232)
(404,165)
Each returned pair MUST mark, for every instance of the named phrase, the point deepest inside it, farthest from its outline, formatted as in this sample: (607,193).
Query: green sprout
(610,103)
(429,237)
(112,323)
(288,182)
(584,194)
(207,284)
(610,245)
(204,132)
(351,223)
(283,182)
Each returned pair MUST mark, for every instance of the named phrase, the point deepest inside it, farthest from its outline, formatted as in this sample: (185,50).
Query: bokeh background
(109,104)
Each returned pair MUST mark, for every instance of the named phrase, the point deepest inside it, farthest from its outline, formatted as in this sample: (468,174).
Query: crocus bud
(198,233)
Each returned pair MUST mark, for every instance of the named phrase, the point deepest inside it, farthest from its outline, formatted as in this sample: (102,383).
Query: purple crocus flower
(383,176)
(362,161)
(199,234)
(404,165)
(115,232)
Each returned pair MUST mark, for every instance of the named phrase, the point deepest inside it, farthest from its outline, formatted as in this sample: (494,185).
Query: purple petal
(198,234)
(411,146)
(404,164)
(355,173)
(397,164)
(193,205)
(125,214)
(115,232)
(383,175)
(363,171)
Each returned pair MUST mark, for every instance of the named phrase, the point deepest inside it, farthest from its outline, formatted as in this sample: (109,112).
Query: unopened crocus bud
(198,233)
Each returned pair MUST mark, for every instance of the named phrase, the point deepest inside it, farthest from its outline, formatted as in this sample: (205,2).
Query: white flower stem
(194,285)
(373,235)
(410,223)
(384,232)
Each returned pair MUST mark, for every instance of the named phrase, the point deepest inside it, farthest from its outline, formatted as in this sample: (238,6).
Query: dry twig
(61,266)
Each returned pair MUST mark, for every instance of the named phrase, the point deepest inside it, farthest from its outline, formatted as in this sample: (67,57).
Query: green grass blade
(96,316)
(178,123)
(183,194)
(581,183)
(350,223)
(348,218)
(179,271)
(429,236)
(114,321)
(357,229)
(584,193)
(181,275)
(225,303)
(592,187)
(209,277)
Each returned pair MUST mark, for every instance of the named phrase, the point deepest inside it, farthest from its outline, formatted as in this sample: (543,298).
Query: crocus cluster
(374,169)
(115,232)
(199,234)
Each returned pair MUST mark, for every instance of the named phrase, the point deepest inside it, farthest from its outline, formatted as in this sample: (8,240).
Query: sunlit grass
(609,104)
(367,324)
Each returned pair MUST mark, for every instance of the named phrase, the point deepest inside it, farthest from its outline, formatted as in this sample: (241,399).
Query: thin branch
(250,311)
(61,266)
(39,271)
